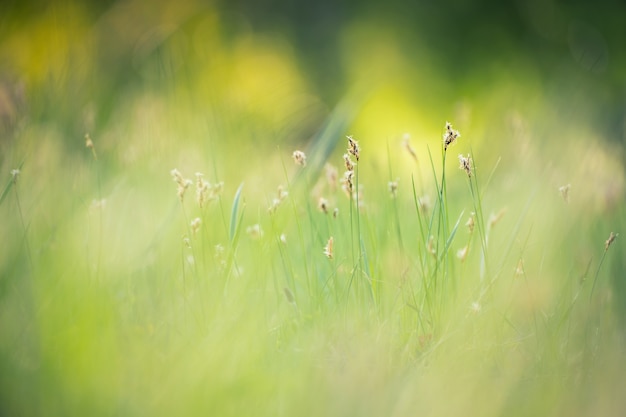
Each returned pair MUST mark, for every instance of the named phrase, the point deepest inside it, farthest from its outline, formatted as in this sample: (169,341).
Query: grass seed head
(466,164)
(328,249)
(332,176)
(393,187)
(462,253)
(195,225)
(353,147)
(406,143)
(470,222)
(450,136)
(564,190)
(255,231)
(15,173)
(299,158)
(322,204)
(335,212)
(610,240)
(348,162)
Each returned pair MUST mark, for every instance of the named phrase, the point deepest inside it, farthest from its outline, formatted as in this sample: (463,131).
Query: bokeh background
(230,88)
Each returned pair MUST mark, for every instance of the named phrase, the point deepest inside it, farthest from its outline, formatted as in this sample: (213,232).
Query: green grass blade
(233,213)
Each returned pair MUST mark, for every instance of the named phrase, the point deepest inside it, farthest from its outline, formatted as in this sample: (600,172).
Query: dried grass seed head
(255,231)
(470,222)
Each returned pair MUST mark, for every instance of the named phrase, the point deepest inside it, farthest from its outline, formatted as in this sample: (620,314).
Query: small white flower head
(353,147)
(255,231)
(393,187)
(466,164)
(299,158)
(328,249)
(15,173)
(462,253)
(195,225)
(450,136)
(475,307)
(564,190)
(283,239)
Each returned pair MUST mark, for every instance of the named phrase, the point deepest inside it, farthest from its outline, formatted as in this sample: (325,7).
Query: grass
(120,309)
(477,292)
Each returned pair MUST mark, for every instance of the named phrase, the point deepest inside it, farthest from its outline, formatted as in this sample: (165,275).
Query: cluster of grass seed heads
(450,136)
(466,164)
(299,158)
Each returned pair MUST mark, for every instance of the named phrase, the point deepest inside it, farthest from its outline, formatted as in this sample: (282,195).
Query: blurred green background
(95,318)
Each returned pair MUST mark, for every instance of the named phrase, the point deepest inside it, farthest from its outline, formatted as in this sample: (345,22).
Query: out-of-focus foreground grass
(113,301)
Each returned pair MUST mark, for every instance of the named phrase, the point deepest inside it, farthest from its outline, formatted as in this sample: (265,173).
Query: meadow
(212,238)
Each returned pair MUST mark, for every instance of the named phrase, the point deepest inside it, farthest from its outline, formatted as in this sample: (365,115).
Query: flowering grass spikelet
(299,158)
(328,249)
(353,147)
(564,190)
(406,143)
(462,253)
(322,204)
(610,240)
(255,231)
(195,225)
(15,173)
(450,136)
(466,164)
(470,222)
(182,183)
(393,188)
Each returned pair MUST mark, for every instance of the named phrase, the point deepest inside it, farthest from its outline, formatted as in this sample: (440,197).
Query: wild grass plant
(310,292)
